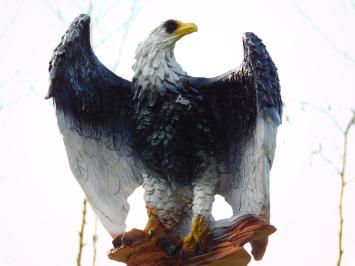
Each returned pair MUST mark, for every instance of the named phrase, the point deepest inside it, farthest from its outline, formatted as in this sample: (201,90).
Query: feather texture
(191,137)
(93,116)
(248,109)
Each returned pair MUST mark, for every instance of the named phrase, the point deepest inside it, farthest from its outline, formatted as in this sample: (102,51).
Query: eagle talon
(190,246)
(195,242)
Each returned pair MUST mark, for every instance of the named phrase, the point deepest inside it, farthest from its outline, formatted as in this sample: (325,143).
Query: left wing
(93,113)
(247,106)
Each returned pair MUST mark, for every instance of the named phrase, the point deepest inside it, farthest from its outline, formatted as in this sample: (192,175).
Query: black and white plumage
(184,138)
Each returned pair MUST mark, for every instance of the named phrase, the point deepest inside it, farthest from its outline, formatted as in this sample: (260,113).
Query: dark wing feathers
(259,67)
(93,114)
(83,87)
(253,87)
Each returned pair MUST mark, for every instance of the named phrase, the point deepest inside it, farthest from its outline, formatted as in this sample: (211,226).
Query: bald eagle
(184,138)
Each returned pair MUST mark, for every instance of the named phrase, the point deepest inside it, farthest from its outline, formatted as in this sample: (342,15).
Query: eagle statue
(184,139)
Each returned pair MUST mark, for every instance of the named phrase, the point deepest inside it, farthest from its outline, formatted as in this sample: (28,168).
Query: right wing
(248,109)
(92,107)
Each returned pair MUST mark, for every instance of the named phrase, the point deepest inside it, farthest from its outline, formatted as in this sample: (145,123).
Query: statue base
(225,246)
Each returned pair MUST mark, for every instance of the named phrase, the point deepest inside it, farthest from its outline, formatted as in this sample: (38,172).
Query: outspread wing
(92,107)
(247,105)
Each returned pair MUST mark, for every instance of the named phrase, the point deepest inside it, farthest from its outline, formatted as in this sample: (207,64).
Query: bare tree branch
(345,133)
(5,29)
(320,153)
(340,51)
(104,12)
(123,27)
(340,172)
(324,112)
(78,5)
(30,89)
(342,187)
(133,14)
(81,234)
(108,36)
(94,242)
(56,11)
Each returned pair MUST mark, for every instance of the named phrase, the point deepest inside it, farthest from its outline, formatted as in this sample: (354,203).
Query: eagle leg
(164,207)
(204,187)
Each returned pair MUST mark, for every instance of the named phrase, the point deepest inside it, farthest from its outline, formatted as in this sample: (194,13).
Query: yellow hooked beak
(185,28)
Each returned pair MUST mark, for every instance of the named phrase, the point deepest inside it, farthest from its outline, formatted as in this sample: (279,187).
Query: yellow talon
(153,222)
(154,227)
(197,238)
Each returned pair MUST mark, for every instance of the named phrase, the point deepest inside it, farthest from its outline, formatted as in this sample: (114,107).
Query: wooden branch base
(226,245)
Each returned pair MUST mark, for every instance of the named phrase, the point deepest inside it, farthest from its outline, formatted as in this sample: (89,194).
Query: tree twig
(340,171)
(342,187)
(81,233)
(123,27)
(319,152)
(103,13)
(324,112)
(94,242)
(12,21)
(56,11)
(340,51)
(134,12)
(78,5)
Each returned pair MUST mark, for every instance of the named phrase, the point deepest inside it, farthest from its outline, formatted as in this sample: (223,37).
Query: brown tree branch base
(225,246)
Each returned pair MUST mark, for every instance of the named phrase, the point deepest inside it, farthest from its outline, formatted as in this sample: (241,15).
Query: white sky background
(40,201)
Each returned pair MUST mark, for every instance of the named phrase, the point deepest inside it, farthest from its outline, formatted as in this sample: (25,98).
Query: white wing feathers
(249,191)
(106,177)
(92,107)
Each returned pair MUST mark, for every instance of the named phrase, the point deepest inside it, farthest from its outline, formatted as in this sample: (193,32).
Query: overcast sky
(313,46)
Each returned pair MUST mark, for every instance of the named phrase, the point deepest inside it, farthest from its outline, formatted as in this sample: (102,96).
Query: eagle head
(156,67)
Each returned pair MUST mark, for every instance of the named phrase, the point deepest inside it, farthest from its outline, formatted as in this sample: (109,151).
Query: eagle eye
(170,26)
